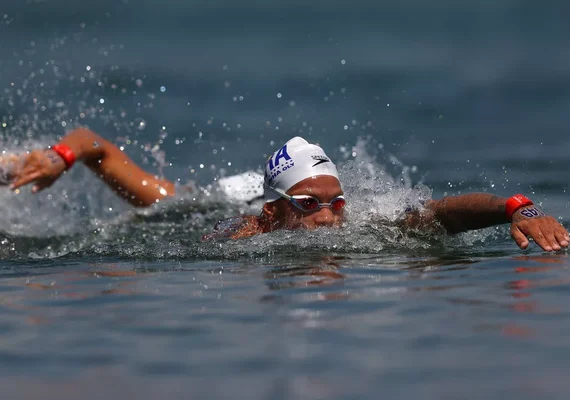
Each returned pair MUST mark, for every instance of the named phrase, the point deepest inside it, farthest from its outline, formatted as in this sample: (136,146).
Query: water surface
(413,100)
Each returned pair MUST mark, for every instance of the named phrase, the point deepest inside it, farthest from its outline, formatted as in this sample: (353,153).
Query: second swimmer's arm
(136,186)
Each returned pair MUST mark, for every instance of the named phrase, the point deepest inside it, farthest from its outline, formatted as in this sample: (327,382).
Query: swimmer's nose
(324,217)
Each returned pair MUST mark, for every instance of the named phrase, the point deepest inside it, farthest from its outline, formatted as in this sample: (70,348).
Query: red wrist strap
(65,153)
(516,202)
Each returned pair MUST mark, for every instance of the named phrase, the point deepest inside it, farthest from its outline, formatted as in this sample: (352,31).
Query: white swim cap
(295,161)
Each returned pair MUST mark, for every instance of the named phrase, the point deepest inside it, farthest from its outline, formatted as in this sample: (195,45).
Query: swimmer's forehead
(322,186)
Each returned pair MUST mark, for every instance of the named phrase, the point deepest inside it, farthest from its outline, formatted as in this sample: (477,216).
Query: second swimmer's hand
(40,167)
(530,222)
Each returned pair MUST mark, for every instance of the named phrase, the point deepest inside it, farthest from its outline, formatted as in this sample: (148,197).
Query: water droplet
(279,95)
(163,89)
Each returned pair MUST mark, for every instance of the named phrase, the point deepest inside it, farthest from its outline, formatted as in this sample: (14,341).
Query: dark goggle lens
(338,204)
(308,203)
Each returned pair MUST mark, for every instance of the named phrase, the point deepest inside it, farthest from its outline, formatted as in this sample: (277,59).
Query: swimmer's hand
(40,167)
(9,164)
(531,223)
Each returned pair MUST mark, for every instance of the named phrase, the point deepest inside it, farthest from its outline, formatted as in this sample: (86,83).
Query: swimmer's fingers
(42,184)
(545,231)
(541,237)
(39,182)
(550,238)
(562,237)
(554,233)
(40,167)
(519,237)
(25,179)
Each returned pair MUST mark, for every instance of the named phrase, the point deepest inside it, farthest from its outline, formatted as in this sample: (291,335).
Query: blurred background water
(435,98)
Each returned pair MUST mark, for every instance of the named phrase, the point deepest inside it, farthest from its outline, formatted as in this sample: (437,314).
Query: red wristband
(65,153)
(516,202)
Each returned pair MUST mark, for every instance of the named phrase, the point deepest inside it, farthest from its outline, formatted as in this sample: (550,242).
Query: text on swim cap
(281,154)
(275,167)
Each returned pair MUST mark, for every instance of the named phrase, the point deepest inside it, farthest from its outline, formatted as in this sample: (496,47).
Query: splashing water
(80,215)
(93,221)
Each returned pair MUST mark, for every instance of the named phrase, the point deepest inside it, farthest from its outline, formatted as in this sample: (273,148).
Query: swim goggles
(308,203)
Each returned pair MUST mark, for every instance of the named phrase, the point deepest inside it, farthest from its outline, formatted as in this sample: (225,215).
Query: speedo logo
(320,160)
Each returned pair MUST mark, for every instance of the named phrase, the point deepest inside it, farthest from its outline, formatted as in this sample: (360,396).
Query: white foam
(244,187)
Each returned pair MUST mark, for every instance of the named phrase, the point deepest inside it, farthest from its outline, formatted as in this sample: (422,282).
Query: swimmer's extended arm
(140,188)
(480,210)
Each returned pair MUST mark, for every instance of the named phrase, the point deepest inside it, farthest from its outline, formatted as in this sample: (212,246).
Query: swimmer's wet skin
(43,167)
(302,190)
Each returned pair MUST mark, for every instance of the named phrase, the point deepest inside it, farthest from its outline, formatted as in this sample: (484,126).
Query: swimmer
(302,190)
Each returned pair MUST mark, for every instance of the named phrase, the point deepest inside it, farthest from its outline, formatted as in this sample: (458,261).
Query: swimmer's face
(282,214)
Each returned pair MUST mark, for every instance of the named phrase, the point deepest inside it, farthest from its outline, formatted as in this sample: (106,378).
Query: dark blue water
(427,98)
